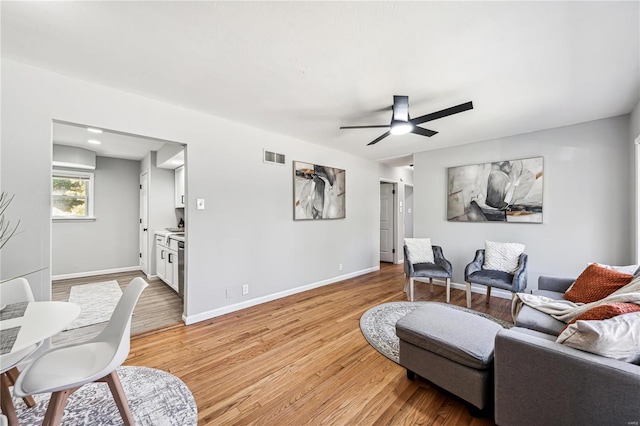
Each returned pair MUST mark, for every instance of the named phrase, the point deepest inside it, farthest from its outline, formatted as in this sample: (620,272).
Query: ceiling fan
(402,124)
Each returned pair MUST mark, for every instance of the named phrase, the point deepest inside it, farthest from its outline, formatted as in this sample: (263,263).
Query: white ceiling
(304,69)
(112,144)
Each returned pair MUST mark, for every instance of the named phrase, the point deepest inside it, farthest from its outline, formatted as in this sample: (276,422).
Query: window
(72,194)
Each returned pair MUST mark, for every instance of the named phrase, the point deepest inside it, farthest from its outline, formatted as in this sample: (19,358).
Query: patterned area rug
(378,325)
(97,302)
(155,397)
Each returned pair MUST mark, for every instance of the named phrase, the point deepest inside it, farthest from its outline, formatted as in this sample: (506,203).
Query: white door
(144,223)
(386,222)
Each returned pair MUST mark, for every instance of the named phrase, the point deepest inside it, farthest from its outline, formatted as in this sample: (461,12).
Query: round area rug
(155,397)
(378,325)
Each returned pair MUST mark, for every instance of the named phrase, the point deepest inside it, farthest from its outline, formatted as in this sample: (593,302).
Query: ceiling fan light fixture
(400,127)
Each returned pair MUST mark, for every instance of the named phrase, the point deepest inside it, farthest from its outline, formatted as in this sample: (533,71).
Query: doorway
(114,191)
(387,221)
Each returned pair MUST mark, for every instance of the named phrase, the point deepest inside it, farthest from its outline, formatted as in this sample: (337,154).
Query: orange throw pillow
(606,311)
(596,283)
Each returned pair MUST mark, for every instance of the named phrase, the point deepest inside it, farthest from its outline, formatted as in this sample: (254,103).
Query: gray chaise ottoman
(451,348)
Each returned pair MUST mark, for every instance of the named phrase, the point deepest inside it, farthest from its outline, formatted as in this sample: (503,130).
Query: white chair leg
(488,295)
(448,290)
(468,295)
(431,285)
(411,289)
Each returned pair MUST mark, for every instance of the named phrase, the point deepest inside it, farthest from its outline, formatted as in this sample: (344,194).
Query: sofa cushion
(503,257)
(419,250)
(453,334)
(596,283)
(537,320)
(615,337)
(496,279)
(626,269)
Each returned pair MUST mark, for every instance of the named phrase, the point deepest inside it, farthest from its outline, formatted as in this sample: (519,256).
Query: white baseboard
(495,292)
(94,273)
(191,319)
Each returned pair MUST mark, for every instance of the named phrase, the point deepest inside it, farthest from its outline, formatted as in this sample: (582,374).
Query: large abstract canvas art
(319,192)
(502,191)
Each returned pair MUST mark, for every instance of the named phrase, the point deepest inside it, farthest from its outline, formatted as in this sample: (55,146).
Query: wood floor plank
(303,360)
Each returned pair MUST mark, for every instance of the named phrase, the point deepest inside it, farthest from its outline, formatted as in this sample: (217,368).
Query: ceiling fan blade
(424,132)
(401,108)
(443,113)
(365,127)
(379,138)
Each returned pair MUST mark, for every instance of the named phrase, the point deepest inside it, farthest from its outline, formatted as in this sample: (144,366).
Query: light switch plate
(200,204)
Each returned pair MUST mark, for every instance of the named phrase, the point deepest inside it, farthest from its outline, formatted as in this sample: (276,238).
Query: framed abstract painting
(318,191)
(501,191)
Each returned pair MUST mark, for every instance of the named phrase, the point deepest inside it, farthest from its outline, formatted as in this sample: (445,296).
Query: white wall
(246,235)
(110,241)
(634,125)
(587,208)
(408,211)
(634,133)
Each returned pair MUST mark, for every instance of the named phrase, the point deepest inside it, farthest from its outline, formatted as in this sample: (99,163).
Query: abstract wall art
(501,191)
(318,191)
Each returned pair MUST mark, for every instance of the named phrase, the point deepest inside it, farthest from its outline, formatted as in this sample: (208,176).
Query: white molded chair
(63,370)
(14,291)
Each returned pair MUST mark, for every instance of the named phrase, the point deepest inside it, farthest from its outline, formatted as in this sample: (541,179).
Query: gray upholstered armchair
(440,269)
(514,283)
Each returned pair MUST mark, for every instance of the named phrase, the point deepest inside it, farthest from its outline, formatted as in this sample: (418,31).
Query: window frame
(90,196)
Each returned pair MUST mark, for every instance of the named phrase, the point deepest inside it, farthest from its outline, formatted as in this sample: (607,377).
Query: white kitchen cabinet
(179,181)
(167,261)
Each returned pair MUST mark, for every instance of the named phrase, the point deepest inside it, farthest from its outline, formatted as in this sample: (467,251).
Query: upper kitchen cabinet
(171,156)
(179,187)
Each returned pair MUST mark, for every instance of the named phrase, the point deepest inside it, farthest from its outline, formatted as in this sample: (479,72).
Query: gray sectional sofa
(541,382)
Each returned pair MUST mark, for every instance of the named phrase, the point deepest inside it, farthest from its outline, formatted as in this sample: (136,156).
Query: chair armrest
(520,275)
(440,260)
(474,266)
(408,266)
(538,381)
(557,284)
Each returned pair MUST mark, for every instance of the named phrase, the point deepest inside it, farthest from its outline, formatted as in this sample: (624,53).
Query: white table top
(40,321)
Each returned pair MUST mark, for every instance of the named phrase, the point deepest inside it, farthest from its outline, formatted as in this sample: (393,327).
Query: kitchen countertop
(178,236)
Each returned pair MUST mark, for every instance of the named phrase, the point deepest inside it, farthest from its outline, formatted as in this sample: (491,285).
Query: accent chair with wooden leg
(63,370)
(500,265)
(419,265)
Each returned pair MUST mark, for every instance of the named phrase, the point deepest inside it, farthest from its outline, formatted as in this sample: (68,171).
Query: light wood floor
(303,360)
(158,307)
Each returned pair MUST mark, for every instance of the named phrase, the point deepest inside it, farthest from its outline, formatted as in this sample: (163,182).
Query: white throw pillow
(627,269)
(617,337)
(502,256)
(419,250)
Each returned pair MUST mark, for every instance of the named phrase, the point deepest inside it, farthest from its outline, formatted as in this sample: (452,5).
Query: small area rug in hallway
(378,325)
(155,397)
(97,302)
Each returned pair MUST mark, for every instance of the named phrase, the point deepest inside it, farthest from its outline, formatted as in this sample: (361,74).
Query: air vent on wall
(273,158)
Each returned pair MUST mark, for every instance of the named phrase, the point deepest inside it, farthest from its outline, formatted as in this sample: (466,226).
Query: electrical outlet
(339,266)
(228,293)
(245,289)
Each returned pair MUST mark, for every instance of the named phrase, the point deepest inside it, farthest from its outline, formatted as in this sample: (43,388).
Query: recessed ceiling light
(94,141)
(94,130)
